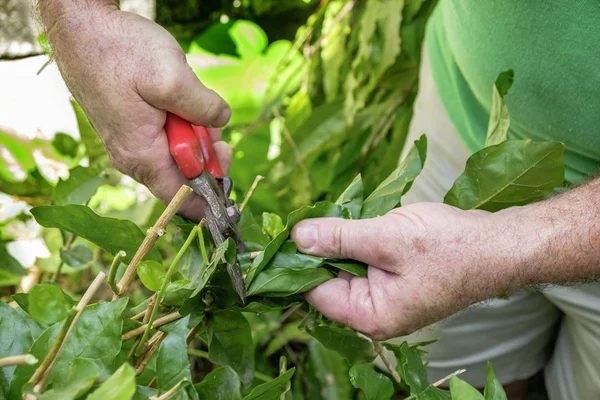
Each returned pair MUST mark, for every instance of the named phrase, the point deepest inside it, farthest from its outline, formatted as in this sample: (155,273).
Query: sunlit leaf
(111,234)
(512,173)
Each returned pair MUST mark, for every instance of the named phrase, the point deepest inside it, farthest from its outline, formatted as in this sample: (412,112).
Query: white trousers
(557,328)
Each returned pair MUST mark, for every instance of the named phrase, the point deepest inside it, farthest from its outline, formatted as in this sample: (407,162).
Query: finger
(363,240)
(346,302)
(156,169)
(177,89)
(215,134)
(223,155)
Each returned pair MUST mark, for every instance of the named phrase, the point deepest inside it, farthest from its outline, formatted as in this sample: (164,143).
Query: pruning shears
(192,150)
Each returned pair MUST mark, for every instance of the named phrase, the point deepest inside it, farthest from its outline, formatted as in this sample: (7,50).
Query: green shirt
(553,46)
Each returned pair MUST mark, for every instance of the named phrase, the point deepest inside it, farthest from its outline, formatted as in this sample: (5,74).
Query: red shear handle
(191,148)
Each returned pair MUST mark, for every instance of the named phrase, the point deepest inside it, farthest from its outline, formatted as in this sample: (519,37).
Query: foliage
(324,119)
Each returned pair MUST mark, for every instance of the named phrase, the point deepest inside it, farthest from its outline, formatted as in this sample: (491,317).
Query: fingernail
(306,235)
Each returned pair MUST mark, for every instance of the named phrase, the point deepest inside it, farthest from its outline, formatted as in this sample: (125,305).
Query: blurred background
(320,90)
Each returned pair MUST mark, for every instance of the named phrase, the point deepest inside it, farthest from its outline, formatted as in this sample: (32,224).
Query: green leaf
(93,144)
(289,332)
(230,343)
(65,144)
(355,268)
(8,263)
(120,386)
(345,342)
(272,390)
(79,187)
(221,384)
(272,224)
(151,274)
(47,303)
(329,371)
(378,47)
(251,232)
(227,250)
(512,173)
(78,379)
(177,292)
(15,339)
(96,336)
(283,282)
(113,235)
(389,193)
(287,257)
(77,256)
(322,209)
(172,364)
(374,385)
(461,390)
(493,388)
(499,118)
(412,371)
(352,197)
(249,39)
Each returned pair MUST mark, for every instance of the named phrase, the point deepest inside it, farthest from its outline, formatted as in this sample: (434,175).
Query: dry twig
(151,237)
(379,350)
(39,378)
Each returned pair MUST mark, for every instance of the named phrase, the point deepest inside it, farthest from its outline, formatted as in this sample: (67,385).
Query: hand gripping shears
(192,150)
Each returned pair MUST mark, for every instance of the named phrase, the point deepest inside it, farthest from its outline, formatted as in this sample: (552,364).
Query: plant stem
(251,191)
(156,324)
(24,359)
(262,377)
(204,354)
(153,345)
(192,334)
(379,350)
(151,237)
(168,394)
(161,292)
(67,246)
(198,353)
(201,242)
(112,273)
(39,378)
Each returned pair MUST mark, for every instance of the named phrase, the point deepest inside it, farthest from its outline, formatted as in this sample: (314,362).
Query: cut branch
(156,324)
(251,191)
(152,236)
(39,378)
(444,379)
(168,394)
(153,345)
(379,350)
(24,359)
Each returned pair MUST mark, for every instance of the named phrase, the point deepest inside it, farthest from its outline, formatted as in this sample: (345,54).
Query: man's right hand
(127,72)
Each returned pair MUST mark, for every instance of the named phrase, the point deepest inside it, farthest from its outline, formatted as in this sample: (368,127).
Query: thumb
(361,240)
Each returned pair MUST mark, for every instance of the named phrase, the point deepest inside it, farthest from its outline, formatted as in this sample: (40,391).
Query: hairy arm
(127,72)
(429,260)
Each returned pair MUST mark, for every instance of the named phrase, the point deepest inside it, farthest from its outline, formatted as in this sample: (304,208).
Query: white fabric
(516,335)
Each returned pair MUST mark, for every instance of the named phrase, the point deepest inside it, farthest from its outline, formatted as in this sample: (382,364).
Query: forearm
(551,242)
(59,11)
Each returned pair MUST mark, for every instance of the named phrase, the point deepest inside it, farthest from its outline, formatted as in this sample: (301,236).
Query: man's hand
(426,261)
(126,72)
